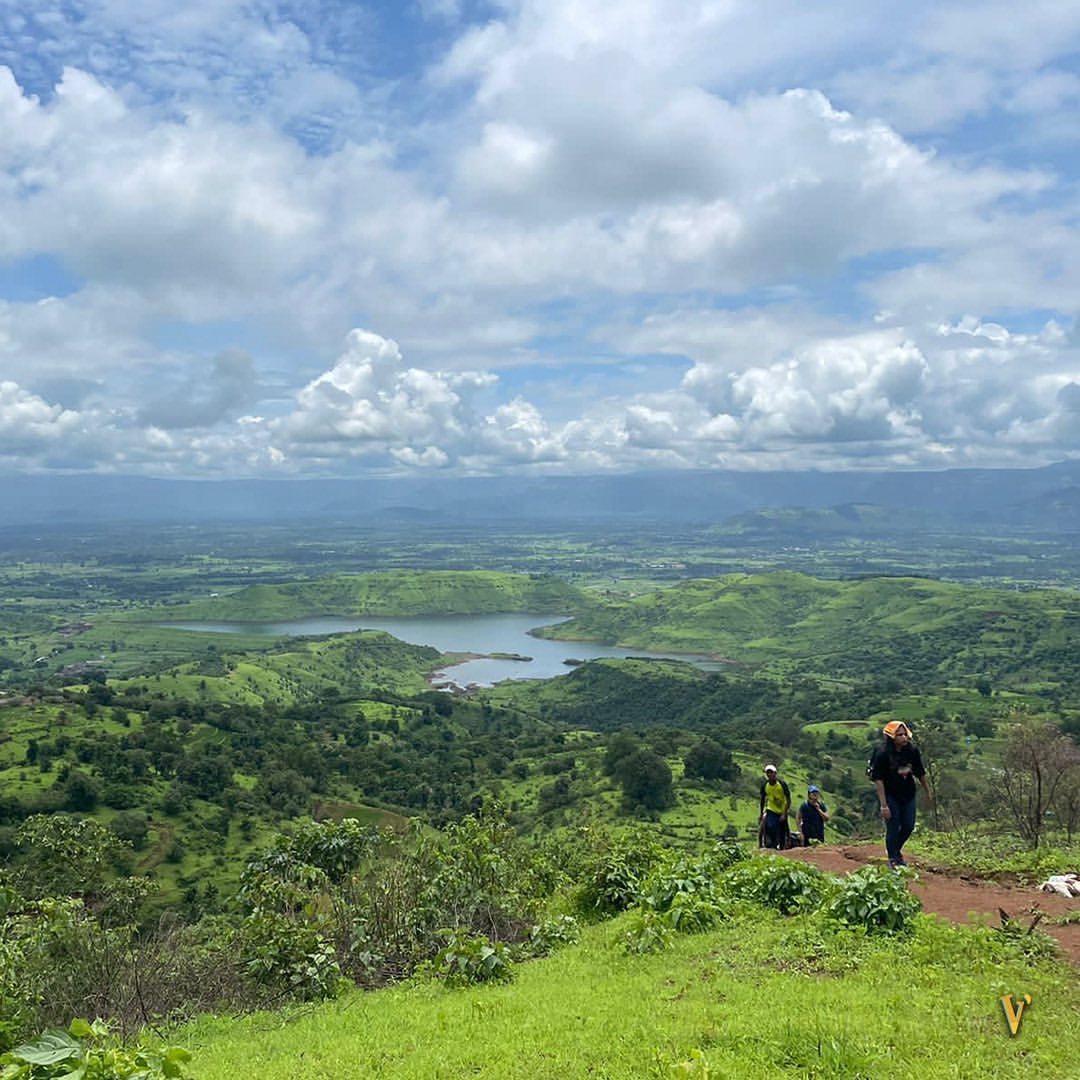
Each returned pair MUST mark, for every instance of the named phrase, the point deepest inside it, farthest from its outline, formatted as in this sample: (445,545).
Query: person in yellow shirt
(775,805)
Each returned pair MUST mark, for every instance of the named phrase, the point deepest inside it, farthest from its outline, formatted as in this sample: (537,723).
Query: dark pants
(900,825)
(774,829)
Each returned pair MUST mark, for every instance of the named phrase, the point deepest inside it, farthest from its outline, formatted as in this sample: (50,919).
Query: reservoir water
(462,634)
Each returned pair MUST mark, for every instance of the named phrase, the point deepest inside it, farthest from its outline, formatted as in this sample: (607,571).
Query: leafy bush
(467,959)
(90,1051)
(552,934)
(62,855)
(690,914)
(783,884)
(875,898)
(726,853)
(647,931)
(1028,941)
(680,876)
(615,879)
(291,959)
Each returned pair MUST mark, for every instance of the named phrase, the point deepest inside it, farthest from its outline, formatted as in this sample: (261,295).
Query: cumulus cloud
(193,212)
(368,396)
(29,423)
(766,232)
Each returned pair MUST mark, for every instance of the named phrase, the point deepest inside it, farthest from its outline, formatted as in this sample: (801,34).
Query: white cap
(770,768)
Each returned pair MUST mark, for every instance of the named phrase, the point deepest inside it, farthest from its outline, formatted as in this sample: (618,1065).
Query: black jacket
(898,770)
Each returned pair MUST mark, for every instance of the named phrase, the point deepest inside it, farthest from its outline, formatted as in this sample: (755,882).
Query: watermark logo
(1014,1011)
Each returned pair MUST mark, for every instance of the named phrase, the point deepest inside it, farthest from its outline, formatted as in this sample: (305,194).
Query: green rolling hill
(391,593)
(911,628)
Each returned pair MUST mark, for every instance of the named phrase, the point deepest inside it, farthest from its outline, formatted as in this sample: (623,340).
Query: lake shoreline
(476,650)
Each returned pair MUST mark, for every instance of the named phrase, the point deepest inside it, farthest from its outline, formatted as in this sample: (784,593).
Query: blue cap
(812,788)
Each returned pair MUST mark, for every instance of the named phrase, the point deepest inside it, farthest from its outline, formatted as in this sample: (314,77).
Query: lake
(462,634)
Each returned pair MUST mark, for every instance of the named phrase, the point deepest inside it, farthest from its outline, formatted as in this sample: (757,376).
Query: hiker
(811,817)
(894,768)
(775,804)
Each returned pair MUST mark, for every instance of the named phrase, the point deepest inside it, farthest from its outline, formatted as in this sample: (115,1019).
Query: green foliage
(89,1052)
(992,851)
(467,959)
(613,880)
(1029,941)
(647,931)
(784,884)
(678,877)
(694,914)
(874,898)
(292,959)
(708,760)
(726,853)
(63,855)
(551,934)
(645,778)
(374,904)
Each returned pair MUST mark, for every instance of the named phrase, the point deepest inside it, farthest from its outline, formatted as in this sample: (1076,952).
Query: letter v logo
(1013,1013)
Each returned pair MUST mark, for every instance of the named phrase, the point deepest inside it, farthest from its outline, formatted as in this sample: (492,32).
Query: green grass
(763,997)
(390,593)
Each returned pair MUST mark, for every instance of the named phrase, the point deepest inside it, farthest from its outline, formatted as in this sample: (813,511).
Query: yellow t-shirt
(775,799)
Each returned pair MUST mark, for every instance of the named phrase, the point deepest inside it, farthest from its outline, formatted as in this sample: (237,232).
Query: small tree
(1038,760)
(64,856)
(708,760)
(1067,802)
(645,778)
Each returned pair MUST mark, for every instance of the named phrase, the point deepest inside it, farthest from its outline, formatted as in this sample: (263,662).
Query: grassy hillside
(393,593)
(297,669)
(765,996)
(911,628)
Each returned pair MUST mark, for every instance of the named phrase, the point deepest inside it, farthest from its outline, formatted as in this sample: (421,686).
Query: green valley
(250,790)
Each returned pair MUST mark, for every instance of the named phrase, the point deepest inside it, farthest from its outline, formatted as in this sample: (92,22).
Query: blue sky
(274,237)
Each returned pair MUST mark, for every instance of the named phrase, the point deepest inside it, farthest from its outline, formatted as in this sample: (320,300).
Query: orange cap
(893,726)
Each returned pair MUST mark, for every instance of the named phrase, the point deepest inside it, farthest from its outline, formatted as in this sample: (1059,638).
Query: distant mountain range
(1046,498)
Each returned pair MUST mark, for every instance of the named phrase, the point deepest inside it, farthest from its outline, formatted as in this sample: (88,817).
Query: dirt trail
(957,895)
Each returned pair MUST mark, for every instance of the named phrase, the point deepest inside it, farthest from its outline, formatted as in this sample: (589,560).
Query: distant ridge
(1044,498)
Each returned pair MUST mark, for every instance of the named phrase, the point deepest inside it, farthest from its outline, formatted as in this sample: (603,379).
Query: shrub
(614,881)
(689,914)
(467,959)
(90,1050)
(648,931)
(291,959)
(725,854)
(552,934)
(876,899)
(783,884)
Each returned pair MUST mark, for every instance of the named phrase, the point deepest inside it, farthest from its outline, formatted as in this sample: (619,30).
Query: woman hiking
(894,768)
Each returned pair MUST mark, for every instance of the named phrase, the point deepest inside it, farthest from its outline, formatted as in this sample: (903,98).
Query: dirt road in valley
(958,895)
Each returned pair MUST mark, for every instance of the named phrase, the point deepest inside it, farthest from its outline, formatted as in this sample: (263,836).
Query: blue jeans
(900,826)
(774,832)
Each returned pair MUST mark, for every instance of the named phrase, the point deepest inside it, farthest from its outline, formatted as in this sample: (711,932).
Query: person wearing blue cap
(811,817)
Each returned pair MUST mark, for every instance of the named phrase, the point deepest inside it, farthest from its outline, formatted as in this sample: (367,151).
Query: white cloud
(28,423)
(230,187)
